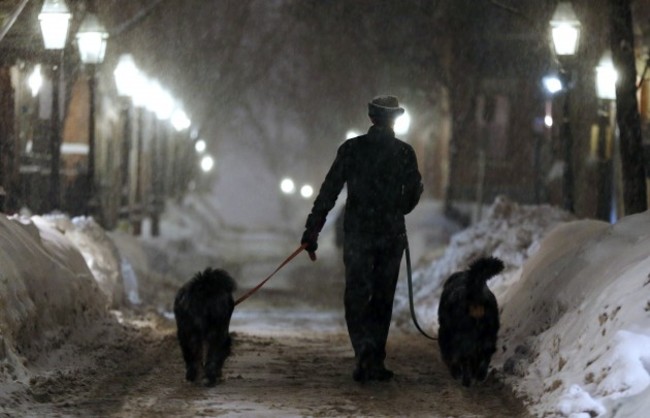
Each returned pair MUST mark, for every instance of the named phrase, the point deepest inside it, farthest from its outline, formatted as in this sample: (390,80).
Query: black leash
(409,275)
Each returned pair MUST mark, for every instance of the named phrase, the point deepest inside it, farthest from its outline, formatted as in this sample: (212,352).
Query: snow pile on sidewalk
(576,322)
(575,301)
(509,231)
(45,287)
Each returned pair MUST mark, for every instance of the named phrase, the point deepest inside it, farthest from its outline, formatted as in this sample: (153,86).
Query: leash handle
(409,276)
(256,288)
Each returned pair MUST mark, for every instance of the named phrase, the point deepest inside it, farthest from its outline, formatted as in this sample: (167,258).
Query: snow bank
(576,324)
(45,285)
(575,335)
(509,231)
(98,250)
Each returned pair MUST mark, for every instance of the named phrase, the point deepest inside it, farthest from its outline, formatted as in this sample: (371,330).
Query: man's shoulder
(405,146)
(355,141)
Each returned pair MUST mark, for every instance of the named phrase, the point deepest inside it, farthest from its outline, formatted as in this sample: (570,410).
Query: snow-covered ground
(575,300)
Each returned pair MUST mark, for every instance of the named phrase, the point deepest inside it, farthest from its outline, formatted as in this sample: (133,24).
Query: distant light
(552,84)
(287,186)
(548,121)
(127,76)
(180,121)
(351,134)
(142,88)
(55,20)
(207,163)
(606,77)
(306,191)
(402,123)
(200,146)
(160,101)
(35,80)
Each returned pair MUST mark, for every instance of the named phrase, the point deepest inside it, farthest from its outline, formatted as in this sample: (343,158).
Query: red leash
(291,257)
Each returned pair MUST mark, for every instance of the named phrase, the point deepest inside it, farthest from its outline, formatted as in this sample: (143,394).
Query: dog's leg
(192,349)
(466,368)
(218,350)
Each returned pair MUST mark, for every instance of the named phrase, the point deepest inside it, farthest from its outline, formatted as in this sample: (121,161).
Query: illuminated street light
(160,101)
(127,75)
(91,39)
(402,123)
(606,77)
(287,186)
(179,120)
(552,84)
(200,146)
(35,80)
(306,191)
(565,30)
(207,163)
(548,121)
(55,20)
(351,134)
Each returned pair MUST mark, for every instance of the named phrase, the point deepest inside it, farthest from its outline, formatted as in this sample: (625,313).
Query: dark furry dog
(203,308)
(468,315)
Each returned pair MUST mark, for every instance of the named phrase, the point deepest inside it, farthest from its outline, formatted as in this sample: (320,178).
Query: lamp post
(565,34)
(91,39)
(606,77)
(54,19)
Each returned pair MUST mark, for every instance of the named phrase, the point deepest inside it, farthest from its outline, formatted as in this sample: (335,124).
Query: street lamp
(35,80)
(200,146)
(565,30)
(207,162)
(565,34)
(351,134)
(402,123)
(91,39)
(306,191)
(55,19)
(287,186)
(606,77)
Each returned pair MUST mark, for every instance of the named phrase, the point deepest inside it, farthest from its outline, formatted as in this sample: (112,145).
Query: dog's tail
(483,269)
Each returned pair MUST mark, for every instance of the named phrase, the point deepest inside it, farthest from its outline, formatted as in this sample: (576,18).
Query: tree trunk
(627,112)
(6,135)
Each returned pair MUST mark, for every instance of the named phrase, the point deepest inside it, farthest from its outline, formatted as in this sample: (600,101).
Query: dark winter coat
(383,182)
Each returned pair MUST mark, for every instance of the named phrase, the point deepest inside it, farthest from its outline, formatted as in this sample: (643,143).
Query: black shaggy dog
(203,308)
(468,315)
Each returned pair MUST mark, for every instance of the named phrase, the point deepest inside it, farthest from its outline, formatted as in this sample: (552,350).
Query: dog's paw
(191,374)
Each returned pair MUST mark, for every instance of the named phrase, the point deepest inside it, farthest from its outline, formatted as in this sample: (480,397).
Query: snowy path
(291,358)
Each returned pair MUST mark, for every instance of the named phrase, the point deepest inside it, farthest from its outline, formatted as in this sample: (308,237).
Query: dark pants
(371,270)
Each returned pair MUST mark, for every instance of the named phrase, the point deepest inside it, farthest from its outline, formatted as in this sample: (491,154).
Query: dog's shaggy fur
(468,315)
(203,308)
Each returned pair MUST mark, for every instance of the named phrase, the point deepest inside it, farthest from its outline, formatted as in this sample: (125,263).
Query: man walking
(384,184)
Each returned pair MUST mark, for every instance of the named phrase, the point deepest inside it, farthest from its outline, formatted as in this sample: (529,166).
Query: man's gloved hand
(310,238)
